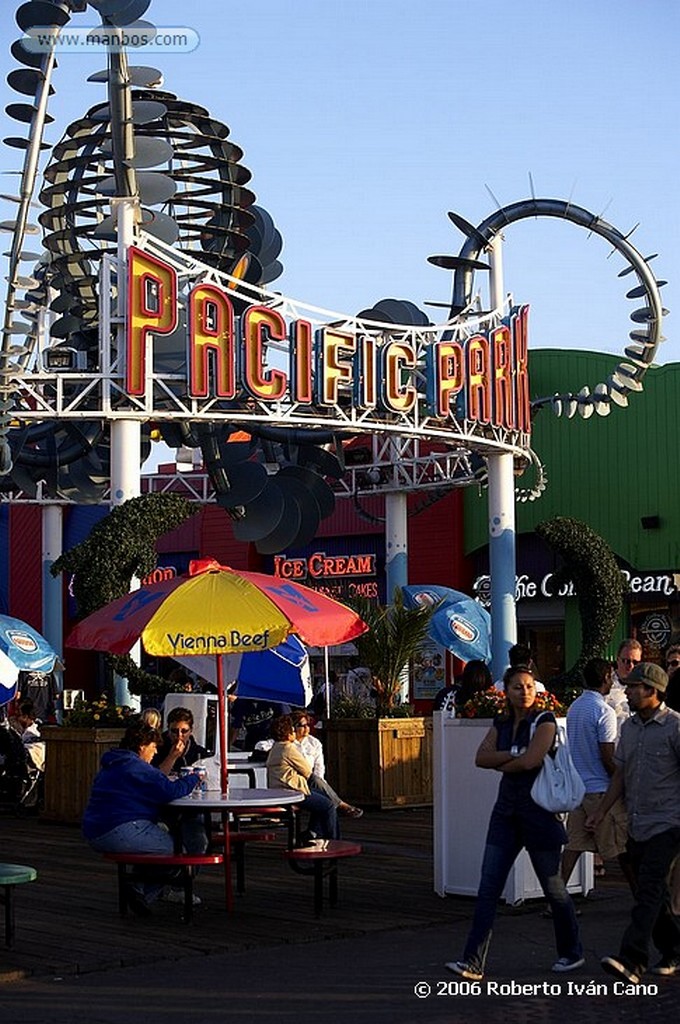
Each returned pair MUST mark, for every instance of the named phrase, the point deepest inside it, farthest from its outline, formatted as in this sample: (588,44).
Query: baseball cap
(650,674)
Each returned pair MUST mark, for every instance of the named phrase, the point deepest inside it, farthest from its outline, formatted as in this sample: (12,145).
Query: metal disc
(130,13)
(154,187)
(645,315)
(24,112)
(150,152)
(10,225)
(61,303)
(394,308)
(40,13)
(28,257)
(454,262)
(467,228)
(234,452)
(160,225)
(65,325)
(143,112)
(418,316)
(321,459)
(263,515)
(271,272)
(247,481)
(26,81)
(20,52)
(283,535)
(314,484)
(106,229)
(141,77)
(16,142)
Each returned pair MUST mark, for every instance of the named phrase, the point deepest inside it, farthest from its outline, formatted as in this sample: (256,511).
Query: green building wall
(608,471)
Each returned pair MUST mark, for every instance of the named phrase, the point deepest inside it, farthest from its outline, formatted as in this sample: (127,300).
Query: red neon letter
(211,329)
(152,309)
(478,382)
(448,377)
(502,378)
(520,325)
(269,385)
(398,358)
(301,352)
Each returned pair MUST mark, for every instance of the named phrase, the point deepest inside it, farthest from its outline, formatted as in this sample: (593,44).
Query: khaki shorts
(608,839)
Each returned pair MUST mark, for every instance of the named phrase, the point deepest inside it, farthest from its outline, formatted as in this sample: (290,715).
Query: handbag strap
(537,721)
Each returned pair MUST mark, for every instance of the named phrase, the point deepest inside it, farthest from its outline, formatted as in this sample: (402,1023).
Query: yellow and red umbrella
(217,610)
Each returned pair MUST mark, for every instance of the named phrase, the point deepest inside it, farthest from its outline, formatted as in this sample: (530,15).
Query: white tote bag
(558,787)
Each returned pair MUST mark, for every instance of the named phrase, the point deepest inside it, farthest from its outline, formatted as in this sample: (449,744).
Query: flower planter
(72,756)
(380,762)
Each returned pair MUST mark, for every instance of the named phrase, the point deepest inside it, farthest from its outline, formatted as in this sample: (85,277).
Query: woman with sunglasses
(313,752)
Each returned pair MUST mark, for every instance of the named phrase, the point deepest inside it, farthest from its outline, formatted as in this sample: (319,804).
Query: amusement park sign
(433,378)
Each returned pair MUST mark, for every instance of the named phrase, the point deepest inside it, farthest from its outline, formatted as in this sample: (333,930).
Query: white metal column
(52,593)
(396,557)
(502,561)
(126,435)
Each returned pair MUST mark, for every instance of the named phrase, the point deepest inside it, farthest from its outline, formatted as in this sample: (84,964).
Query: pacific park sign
(435,381)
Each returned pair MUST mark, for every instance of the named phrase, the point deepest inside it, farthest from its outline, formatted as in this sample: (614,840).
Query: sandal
(354,812)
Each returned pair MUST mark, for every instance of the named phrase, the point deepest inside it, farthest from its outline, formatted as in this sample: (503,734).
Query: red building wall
(25,564)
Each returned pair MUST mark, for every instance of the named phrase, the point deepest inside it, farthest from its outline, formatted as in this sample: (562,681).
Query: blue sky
(364,121)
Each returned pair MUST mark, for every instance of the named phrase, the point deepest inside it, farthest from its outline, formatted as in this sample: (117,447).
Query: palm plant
(394,635)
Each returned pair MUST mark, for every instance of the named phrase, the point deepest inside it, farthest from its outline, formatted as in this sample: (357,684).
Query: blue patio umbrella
(280,674)
(459,623)
(22,649)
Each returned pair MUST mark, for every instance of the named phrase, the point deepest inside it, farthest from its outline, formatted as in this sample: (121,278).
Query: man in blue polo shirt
(591,730)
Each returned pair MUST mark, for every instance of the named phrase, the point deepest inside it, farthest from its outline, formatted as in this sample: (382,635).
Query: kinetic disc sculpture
(202,363)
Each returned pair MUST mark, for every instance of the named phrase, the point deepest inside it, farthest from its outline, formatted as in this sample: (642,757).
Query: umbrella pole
(327,682)
(224,753)
(222,725)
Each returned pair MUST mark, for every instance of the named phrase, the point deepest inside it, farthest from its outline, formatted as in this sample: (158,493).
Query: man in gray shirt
(647,775)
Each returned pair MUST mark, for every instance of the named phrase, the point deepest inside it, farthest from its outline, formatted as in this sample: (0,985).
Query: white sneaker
(465,969)
(177,896)
(565,964)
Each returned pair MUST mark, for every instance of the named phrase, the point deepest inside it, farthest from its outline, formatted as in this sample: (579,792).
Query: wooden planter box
(72,757)
(383,762)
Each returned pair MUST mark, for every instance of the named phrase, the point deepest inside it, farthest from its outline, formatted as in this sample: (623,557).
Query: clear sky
(364,121)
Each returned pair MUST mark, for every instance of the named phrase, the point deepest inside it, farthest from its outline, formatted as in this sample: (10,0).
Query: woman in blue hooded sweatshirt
(127,798)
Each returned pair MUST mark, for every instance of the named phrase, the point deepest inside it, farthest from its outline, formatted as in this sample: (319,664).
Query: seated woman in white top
(313,752)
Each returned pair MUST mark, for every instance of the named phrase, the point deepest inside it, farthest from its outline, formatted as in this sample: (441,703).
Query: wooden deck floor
(67,921)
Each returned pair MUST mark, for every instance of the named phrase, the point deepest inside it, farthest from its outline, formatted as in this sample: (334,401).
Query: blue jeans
(498,860)
(323,816)
(651,917)
(140,836)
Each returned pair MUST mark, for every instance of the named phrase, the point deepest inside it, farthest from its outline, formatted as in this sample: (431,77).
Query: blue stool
(11,875)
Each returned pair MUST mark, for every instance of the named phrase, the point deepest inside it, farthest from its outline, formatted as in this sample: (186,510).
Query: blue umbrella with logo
(280,674)
(22,649)
(459,623)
